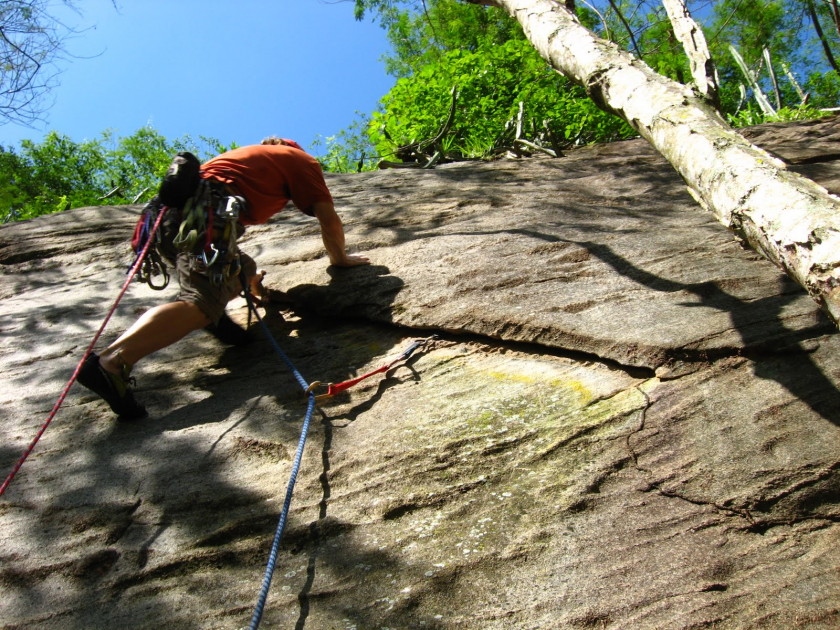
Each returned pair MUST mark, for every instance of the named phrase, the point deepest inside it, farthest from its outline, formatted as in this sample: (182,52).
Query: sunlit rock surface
(628,421)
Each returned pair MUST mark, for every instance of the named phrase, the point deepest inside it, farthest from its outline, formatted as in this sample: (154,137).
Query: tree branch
(626,27)
(30,42)
(690,35)
(818,28)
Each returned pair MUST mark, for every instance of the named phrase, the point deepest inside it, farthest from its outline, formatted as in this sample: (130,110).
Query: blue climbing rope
(272,557)
(277,348)
(278,535)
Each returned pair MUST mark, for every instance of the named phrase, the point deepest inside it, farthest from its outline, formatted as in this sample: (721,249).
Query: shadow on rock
(760,326)
(360,292)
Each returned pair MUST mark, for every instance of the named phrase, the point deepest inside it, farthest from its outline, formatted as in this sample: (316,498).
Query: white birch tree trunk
(789,219)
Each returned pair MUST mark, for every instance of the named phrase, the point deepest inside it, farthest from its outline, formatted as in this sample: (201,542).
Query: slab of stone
(811,141)
(614,429)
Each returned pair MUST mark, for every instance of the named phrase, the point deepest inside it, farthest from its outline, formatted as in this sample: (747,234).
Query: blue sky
(235,70)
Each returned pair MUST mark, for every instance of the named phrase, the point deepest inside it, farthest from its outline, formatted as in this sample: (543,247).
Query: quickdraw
(337,388)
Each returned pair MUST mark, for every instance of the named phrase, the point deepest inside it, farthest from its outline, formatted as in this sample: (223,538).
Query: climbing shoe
(112,388)
(229,332)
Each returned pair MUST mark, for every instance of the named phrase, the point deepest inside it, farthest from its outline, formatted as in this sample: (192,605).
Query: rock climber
(268,176)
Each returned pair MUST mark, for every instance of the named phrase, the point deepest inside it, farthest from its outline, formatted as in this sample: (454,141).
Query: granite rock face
(627,420)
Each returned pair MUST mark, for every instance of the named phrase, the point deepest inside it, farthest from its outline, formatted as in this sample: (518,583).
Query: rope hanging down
(281,525)
(332,390)
(131,274)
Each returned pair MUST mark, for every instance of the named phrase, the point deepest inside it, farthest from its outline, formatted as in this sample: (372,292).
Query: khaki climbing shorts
(197,288)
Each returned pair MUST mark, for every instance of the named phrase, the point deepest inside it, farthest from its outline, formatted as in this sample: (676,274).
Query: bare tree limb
(31,41)
(535,146)
(818,28)
(626,27)
(431,25)
(803,98)
(751,78)
(601,17)
(558,152)
(690,35)
(835,14)
(773,80)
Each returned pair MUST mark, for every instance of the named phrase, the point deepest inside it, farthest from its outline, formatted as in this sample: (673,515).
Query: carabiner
(319,397)
(232,208)
(215,251)
(155,269)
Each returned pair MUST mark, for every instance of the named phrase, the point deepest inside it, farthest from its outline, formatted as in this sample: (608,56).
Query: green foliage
(750,26)
(349,151)
(662,52)
(823,89)
(57,173)
(425,34)
(441,44)
(752,115)
(438,44)
(491,81)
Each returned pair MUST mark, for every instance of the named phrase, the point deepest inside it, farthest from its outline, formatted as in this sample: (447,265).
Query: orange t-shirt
(269,176)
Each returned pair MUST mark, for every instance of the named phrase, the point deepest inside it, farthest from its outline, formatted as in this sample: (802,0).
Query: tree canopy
(57,173)
(438,45)
(32,41)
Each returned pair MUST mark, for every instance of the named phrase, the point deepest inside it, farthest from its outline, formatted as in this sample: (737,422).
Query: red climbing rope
(73,378)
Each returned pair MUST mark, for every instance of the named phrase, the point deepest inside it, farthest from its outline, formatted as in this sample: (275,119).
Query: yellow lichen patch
(584,395)
(523,378)
(511,408)
(577,388)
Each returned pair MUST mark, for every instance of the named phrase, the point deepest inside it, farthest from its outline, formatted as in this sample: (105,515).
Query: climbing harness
(90,347)
(207,230)
(333,389)
(207,224)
